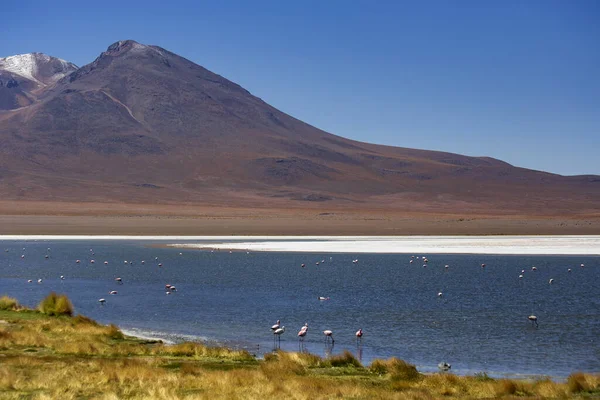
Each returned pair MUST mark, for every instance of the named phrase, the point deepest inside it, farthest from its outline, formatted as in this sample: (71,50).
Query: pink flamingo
(359,335)
(278,332)
(328,334)
(276,326)
(303,332)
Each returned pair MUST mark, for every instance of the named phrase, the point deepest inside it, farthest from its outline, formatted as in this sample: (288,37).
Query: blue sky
(515,80)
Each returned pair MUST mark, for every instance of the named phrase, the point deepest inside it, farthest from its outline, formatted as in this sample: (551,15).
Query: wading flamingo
(359,335)
(533,320)
(276,326)
(303,332)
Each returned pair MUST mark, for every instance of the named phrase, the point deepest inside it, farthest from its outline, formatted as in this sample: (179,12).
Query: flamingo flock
(277,329)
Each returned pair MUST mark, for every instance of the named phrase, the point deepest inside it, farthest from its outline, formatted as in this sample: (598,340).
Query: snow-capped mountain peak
(37,67)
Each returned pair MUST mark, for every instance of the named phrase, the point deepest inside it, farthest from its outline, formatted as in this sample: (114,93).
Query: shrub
(56,304)
(8,303)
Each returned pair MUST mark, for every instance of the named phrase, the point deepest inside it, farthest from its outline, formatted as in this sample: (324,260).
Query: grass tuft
(114,332)
(483,376)
(396,368)
(346,359)
(83,320)
(577,383)
(56,304)
(506,387)
(8,303)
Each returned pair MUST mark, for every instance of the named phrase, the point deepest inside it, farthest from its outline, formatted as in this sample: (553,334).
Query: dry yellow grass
(8,303)
(43,357)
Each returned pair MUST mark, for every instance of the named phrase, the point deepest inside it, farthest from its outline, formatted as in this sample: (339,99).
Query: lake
(479,324)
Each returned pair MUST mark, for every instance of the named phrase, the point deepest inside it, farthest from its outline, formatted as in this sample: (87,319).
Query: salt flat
(555,245)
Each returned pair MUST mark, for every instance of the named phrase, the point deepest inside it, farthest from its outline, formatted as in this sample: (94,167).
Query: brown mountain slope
(141,124)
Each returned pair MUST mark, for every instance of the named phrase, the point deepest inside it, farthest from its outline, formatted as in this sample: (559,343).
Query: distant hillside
(141,124)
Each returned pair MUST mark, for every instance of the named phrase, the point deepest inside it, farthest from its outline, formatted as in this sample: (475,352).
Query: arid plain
(62,218)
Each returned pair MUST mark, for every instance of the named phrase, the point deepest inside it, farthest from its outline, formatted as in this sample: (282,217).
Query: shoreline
(573,245)
(423,369)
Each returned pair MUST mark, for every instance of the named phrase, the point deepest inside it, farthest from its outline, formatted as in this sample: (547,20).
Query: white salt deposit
(555,245)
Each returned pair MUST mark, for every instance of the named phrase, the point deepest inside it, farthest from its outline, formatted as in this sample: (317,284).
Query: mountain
(143,125)
(24,76)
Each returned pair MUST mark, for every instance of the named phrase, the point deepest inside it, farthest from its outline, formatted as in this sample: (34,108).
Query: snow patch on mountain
(28,65)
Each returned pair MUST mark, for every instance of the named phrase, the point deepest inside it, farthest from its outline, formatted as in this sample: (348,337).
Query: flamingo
(62,277)
(278,332)
(40,280)
(143,262)
(276,326)
(533,320)
(323,298)
(102,301)
(482,265)
(569,270)
(78,261)
(92,261)
(105,262)
(160,264)
(444,366)
(521,276)
(173,288)
(303,265)
(533,268)
(303,332)
(446,266)
(359,335)
(582,265)
(113,292)
(328,334)
(119,280)
(551,281)
(440,294)
(411,261)
(46,256)
(29,281)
